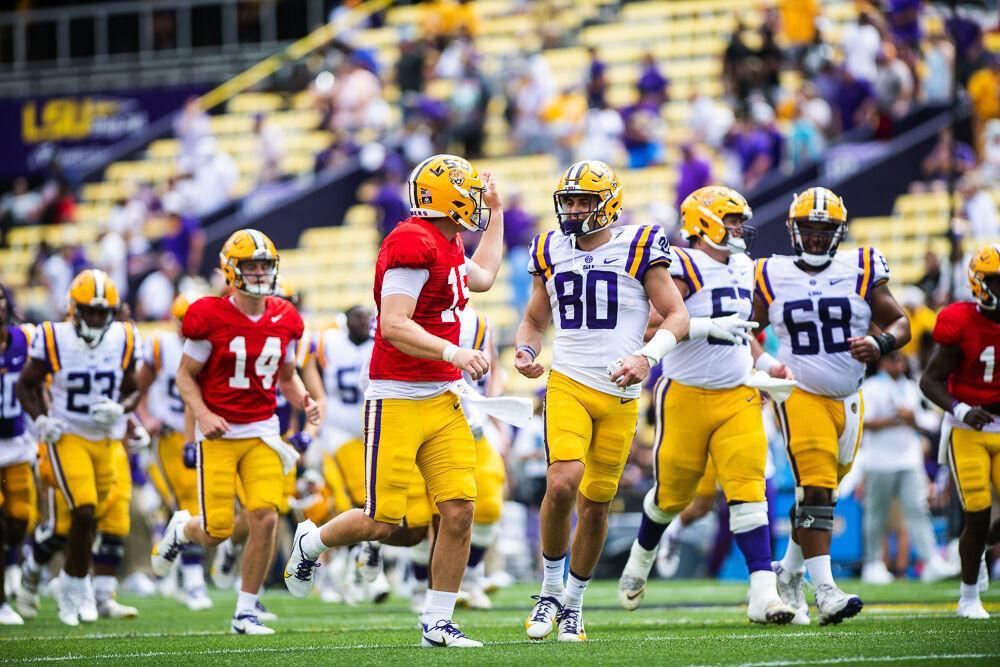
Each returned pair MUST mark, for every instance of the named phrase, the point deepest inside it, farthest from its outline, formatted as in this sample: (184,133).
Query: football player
(422,280)
(239,350)
(18,496)
(711,370)
(822,305)
(962,378)
(92,361)
(162,412)
(597,282)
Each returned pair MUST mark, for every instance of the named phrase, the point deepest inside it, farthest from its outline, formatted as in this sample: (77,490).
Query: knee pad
(744,517)
(46,544)
(109,549)
(816,517)
(653,512)
(482,534)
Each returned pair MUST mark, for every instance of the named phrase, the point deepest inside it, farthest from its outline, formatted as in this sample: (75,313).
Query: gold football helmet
(93,304)
(180,306)
(447,186)
(984,276)
(248,245)
(703,216)
(825,218)
(588,177)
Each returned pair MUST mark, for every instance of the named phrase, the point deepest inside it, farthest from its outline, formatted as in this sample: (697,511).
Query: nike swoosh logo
(441,643)
(277,317)
(287,575)
(835,281)
(610,261)
(632,596)
(626,400)
(750,398)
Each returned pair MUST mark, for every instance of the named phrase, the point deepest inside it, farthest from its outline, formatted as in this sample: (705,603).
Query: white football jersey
(474,335)
(714,290)
(598,301)
(163,350)
(83,375)
(340,363)
(814,315)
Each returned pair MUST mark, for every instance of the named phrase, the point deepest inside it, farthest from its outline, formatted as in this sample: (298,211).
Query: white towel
(848,443)
(289,457)
(514,411)
(777,388)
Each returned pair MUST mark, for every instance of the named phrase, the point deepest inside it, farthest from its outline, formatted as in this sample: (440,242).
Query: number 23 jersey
(598,300)
(813,315)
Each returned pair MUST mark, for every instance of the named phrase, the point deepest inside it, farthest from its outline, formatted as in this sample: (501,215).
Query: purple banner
(78,129)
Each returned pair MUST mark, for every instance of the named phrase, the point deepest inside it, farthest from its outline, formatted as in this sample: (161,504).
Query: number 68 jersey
(813,315)
(598,300)
(84,375)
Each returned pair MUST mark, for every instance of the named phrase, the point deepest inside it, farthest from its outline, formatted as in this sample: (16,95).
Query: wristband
(959,410)
(658,346)
(449,352)
(886,343)
(527,348)
(765,362)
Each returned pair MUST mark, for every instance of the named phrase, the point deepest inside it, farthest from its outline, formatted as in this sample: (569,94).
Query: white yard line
(861,658)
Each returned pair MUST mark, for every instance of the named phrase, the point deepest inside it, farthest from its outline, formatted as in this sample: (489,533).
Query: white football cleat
(247,623)
(938,569)
(113,609)
(632,584)
(8,616)
(26,598)
(983,582)
(790,590)
(87,604)
(165,551)
(11,580)
(299,568)
(197,599)
(471,592)
(417,597)
(223,571)
(972,609)
(541,621)
(379,589)
(368,558)
(263,614)
(445,634)
(571,625)
(69,613)
(631,590)
(878,574)
(835,605)
(771,610)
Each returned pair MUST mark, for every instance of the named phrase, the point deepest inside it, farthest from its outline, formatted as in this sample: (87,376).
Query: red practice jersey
(976,381)
(238,382)
(417,244)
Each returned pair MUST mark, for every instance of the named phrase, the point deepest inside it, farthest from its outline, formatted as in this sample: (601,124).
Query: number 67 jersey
(813,315)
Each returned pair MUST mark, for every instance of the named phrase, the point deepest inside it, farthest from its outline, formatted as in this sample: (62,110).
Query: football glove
(728,328)
(140,437)
(190,455)
(106,413)
(300,441)
(49,429)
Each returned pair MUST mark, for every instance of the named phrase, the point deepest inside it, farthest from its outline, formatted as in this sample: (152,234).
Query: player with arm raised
(822,305)
(963,379)
(422,280)
(710,370)
(597,282)
(239,350)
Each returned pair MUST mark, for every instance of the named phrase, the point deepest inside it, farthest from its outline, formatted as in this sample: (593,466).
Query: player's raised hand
(864,349)
(212,425)
(472,362)
(492,196)
(311,408)
(525,364)
(633,369)
(978,418)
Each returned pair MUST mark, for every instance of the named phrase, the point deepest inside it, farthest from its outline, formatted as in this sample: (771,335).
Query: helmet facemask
(264,288)
(816,245)
(731,243)
(91,322)
(479,219)
(986,289)
(581,223)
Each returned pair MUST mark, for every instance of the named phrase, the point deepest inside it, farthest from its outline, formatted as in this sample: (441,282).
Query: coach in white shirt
(893,458)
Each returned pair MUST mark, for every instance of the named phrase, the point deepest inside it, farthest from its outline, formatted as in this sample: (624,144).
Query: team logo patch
(589,259)
(425,196)
(456,177)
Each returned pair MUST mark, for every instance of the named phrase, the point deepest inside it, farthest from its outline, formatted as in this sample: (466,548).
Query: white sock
(763,582)
(31,565)
(552,581)
(193,576)
(312,545)
(575,588)
(968,592)
(793,561)
(246,602)
(640,560)
(104,587)
(438,606)
(819,570)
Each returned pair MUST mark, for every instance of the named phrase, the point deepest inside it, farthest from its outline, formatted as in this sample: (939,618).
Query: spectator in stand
(191,125)
(56,273)
(933,281)
(469,100)
(939,62)
(270,147)
(529,95)
(652,84)
(390,205)
(602,139)
(894,89)
(946,154)
(215,177)
(736,60)
(984,91)
(798,25)
(59,204)
(112,258)
(903,17)
(184,239)
(770,59)
(410,72)
(861,43)
(20,206)
(990,168)
(979,209)
(443,20)
(805,141)
(695,172)
(157,290)
(355,98)
(518,230)
(816,109)
(642,135)
(854,104)
(597,81)
(709,120)
(893,456)
(565,118)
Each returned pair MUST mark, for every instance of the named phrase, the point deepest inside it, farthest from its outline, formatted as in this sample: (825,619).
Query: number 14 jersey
(598,300)
(813,315)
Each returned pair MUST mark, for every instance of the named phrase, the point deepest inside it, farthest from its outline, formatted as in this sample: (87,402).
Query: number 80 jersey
(813,315)
(598,300)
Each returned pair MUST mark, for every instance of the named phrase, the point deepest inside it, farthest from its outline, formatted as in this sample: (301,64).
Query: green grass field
(682,623)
